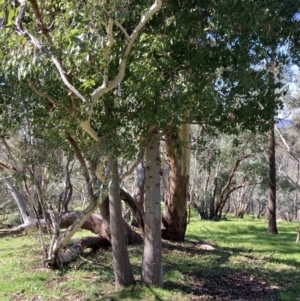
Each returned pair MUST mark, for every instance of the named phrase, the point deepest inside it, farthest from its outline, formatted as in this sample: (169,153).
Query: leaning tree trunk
(25,212)
(30,223)
(272,227)
(152,258)
(122,268)
(175,212)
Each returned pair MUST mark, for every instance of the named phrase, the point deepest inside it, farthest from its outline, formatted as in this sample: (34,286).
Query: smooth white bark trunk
(152,273)
(25,211)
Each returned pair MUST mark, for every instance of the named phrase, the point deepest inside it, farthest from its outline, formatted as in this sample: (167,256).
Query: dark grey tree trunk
(272,226)
(139,190)
(152,258)
(122,268)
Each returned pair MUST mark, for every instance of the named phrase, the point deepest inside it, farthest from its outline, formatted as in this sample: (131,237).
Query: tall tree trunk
(175,213)
(152,273)
(272,227)
(122,268)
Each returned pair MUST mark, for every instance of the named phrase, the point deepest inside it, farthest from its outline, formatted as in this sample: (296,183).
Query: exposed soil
(227,287)
(222,284)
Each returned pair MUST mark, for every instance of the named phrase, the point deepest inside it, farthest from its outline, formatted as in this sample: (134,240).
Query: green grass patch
(247,264)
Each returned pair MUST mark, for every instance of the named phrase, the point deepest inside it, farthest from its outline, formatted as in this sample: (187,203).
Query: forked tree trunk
(272,226)
(152,258)
(122,268)
(175,210)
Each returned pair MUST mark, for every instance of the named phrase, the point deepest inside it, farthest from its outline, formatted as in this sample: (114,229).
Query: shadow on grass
(243,267)
(202,275)
(209,276)
(137,292)
(252,237)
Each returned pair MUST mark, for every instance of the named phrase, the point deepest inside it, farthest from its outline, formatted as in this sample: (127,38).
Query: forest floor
(246,264)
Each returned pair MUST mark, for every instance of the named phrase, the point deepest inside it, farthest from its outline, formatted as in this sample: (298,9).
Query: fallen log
(69,254)
(95,224)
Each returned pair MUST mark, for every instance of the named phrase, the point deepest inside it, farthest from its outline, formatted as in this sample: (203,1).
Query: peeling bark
(175,210)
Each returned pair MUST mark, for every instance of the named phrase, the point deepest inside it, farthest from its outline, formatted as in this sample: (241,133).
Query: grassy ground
(248,264)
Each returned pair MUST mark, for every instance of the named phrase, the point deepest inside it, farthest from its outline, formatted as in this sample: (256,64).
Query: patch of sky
(296,17)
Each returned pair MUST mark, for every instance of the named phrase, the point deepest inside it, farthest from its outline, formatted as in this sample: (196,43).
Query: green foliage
(208,66)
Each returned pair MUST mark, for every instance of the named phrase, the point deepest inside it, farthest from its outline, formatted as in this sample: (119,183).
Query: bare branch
(4,204)
(122,29)
(123,61)
(286,146)
(131,169)
(39,20)
(83,164)
(224,193)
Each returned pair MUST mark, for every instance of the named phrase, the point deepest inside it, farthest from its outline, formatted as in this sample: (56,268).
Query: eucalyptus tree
(73,55)
(208,59)
(287,165)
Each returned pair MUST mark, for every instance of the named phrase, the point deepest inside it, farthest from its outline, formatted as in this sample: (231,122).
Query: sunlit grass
(243,247)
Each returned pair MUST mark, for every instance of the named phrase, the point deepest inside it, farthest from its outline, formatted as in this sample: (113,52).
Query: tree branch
(43,49)
(104,88)
(222,199)
(286,146)
(132,168)
(9,166)
(39,20)
(82,164)
(73,112)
